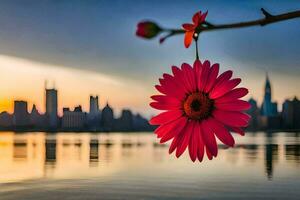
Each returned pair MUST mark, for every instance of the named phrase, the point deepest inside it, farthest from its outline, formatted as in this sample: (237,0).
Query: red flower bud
(147,29)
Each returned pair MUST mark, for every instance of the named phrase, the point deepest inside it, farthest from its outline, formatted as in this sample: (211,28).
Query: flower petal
(165,99)
(193,143)
(196,17)
(174,144)
(203,75)
(165,128)
(222,78)
(209,155)
(175,130)
(165,106)
(188,27)
(160,89)
(238,130)
(203,17)
(232,95)
(171,87)
(222,133)
(185,137)
(209,137)
(166,117)
(189,78)
(188,38)
(200,152)
(237,105)
(174,80)
(197,70)
(220,90)
(176,71)
(235,119)
(213,73)
(179,75)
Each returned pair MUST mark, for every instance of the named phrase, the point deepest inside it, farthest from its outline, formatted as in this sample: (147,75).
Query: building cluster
(71,120)
(267,116)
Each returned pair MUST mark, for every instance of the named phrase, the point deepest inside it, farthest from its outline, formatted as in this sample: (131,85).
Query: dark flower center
(198,106)
(195,105)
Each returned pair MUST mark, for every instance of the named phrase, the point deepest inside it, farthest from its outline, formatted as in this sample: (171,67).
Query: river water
(133,166)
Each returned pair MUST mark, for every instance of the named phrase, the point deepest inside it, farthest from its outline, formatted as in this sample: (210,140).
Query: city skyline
(63,79)
(267,115)
(42,108)
(8,104)
(95,119)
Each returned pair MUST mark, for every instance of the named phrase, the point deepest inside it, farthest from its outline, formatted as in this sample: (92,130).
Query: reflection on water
(128,157)
(270,157)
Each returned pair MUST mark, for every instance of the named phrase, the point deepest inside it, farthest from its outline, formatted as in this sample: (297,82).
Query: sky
(89,47)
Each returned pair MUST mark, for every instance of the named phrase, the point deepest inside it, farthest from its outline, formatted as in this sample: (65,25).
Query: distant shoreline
(72,131)
(140,131)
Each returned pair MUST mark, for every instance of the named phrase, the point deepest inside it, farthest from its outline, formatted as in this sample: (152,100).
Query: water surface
(134,166)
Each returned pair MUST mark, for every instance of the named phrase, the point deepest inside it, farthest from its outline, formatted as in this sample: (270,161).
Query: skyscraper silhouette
(51,108)
(37,120)
(94,106)
(107,118)
(268,107)
(75,120)
(21,115)
(94,114)
(291,113)
(125,122)
(253,112)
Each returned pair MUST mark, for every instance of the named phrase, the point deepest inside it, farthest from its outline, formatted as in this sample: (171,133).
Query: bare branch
(267,14)
(268,19)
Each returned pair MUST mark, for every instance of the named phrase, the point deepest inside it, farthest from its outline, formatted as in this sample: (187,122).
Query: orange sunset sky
(23,79)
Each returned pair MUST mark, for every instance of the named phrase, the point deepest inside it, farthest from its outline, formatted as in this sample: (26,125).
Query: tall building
(21,115)
(141,124)
(6,120)
(268,107)
(254,113)
(51,108)
(291,114)
(125,122)
(73,119)
(107,118)
(94,114)
(36,119)
(94,105)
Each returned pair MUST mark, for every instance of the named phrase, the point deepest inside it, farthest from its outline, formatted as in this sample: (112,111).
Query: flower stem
(197,52)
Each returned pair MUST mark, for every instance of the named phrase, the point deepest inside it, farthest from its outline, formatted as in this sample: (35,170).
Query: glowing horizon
(23,79)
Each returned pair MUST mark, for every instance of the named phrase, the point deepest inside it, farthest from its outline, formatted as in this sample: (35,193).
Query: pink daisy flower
(199,106)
